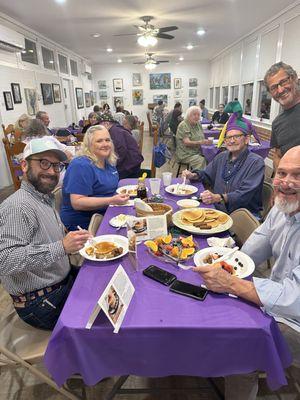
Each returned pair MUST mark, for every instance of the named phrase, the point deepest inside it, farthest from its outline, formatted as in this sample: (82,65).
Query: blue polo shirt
(85,178)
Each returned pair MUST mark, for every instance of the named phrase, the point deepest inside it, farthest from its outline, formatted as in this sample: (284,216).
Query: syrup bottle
(141,189)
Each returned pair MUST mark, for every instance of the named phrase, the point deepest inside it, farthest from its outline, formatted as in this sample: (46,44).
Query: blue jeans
(43,312)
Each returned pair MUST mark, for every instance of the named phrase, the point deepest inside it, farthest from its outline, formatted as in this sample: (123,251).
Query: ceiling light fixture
(189,46)
(200,32)
(147,40)
(119,60)
(96,35)
(60,1)
(150,64)
(180,58)
(109,49)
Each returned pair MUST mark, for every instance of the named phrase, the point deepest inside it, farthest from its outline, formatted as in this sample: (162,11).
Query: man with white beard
(279,295)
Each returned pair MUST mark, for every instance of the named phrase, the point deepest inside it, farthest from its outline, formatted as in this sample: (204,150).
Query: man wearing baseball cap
(34,264)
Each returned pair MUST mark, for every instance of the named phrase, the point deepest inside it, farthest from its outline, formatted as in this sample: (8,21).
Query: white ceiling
(72,23)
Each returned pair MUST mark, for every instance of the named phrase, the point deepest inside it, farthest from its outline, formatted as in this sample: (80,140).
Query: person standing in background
(204,110)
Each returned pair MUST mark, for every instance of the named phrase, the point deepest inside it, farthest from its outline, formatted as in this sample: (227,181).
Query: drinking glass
(167,178)
(155,185)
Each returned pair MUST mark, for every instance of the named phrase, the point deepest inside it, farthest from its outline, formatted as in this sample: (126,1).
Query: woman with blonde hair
(91,180)
(22,123)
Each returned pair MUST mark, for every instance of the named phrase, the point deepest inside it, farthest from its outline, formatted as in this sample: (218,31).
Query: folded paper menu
(146,228)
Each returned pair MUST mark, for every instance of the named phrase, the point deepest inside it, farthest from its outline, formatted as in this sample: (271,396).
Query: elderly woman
(93,120)
(189,138)
(236,176)
(91,180)
(22,122)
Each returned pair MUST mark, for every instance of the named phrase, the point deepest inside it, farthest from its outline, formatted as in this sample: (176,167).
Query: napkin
(220,242)
(141,205)
(128,204)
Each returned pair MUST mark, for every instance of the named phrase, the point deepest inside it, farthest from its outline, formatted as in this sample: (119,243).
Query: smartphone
(187,289)
(159,275)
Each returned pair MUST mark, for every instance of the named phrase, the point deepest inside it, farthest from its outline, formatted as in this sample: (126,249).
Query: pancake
(104,247)
(193,215)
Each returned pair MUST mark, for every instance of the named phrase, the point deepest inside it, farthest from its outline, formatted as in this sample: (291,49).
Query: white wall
(14,70)
(183,70)
(248,59)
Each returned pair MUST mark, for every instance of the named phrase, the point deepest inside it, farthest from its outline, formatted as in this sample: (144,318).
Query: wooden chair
(24,346)
(141,131)
(11,151)
(9,130)
(155,141)
(150,126)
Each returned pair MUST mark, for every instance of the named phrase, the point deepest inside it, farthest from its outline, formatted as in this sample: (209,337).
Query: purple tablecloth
(162,333)
(215,133)
(210,151)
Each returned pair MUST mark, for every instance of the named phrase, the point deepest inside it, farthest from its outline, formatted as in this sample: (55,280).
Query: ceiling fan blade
(168,29)
(126,34)
(164,36)
(140,62)
(159,62)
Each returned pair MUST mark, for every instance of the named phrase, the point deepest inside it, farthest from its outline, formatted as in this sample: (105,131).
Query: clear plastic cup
(167,178)
(155,185)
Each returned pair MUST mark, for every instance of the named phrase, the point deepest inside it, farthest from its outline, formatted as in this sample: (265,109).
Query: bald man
(279,296)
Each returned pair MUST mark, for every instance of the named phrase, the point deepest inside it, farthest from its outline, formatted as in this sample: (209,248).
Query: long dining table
(162,333)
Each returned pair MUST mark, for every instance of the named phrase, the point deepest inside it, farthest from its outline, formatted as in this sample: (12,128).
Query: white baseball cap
(36,146)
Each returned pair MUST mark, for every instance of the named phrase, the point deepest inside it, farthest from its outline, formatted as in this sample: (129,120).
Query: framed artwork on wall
(103,94)
(192,102)
(92,97)
(8,100)
(137,97)
(56,92)
(177,93)
(87,97)
(102,84)
(163,97)
(16,92)
(160,81)
(79,97)
(47,93)
(177,83)
(193,82)
(118,85)
(136,79)
(31,98)
(192,92)
(118,101)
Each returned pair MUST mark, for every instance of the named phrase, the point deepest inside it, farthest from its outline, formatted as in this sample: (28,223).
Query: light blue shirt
(278,236)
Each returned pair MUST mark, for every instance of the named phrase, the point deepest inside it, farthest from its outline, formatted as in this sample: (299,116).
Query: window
(225,94)
(264,102)
(247,102)
(30,54)
(217,97)
(74,70)
(211,97)
(48,58)
(234,93)
(63,64)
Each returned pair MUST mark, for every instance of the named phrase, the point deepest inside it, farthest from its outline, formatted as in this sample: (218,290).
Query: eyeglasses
(45,164)
(235,138)
(291,183)
(284,82)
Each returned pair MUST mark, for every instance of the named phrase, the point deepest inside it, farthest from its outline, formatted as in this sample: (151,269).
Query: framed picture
(177,83)
(193,82)
(163,97)
(192,102)
(103,94)
(160,81)
(47,93)
(87,97)
(8,100)
(137,97)
(92,97)
(118,101)
(136,79)
(79,97)
(31,98)
(177,93)
(118,85)
(16,92)
(102,84)
(192,92)
(56,92)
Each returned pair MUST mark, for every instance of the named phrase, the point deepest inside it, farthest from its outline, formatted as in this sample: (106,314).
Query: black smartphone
(160,275)
(187,289)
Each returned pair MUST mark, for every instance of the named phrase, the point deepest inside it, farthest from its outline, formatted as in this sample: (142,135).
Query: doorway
(68,102)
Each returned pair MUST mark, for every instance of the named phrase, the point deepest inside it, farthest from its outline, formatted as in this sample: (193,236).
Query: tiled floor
(19,384)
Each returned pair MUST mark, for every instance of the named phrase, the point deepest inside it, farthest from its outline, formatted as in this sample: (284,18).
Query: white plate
(118,221)
(127,188)
(241,272)
(118,240)
(176,218)
(255,144)
(192,188)
(215,141)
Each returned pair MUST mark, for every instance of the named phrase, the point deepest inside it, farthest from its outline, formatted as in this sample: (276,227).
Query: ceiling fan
(148,33)
(150,62)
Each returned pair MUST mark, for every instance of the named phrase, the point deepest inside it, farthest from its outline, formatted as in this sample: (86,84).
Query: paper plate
(176,190)
(131,190)
(118,240)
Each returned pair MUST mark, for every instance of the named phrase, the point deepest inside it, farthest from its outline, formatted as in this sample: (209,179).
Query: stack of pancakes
(203,218)
(104,250)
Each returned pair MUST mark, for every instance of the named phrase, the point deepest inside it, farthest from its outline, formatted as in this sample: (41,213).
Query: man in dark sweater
(281,81)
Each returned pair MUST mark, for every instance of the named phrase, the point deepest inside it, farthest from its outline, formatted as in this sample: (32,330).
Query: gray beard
(285,206)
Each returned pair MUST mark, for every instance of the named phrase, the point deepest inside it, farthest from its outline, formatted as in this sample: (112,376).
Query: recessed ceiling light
(189,46)
(119,60)
(60,1)
(181,58)
(96,35)
(200,32)
(109,49)
(51,62)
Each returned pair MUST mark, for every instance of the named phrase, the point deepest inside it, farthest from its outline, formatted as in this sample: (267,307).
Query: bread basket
(158,209)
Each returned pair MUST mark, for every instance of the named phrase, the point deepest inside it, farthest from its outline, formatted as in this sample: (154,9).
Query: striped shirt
(32,255)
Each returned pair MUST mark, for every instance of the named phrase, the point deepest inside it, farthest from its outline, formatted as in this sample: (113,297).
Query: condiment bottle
(141,189)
